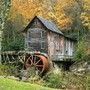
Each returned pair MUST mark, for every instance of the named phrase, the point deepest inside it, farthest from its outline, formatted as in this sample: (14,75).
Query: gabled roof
(48,24)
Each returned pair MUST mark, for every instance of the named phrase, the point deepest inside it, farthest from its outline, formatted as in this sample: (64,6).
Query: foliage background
(71,16)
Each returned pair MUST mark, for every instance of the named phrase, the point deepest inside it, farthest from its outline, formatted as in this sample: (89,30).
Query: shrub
(86,57)
(77,82)
(4,70)
(80,50)
(8,70)
(54,80)
(67,80)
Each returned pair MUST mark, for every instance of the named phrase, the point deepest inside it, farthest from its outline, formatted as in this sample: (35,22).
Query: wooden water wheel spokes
(28,62)
(40,62)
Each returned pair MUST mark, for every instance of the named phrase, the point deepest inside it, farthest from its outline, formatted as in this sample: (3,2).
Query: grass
(8,84)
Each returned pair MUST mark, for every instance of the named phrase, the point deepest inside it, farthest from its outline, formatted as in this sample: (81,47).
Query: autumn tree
(85,15)
(49,9)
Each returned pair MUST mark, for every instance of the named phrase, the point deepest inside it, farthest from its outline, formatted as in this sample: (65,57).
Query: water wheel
(40,62)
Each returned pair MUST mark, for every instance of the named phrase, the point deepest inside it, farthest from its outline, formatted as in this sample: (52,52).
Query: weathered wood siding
(39,38)
(59,46)
(36,37)
(69,47)
(55,44)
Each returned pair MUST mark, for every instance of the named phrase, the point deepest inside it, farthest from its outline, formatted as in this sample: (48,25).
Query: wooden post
(0,44)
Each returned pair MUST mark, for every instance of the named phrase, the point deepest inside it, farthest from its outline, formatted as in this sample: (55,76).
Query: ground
(8,84)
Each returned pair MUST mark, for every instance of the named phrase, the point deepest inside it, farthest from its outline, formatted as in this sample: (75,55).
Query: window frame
(42,46)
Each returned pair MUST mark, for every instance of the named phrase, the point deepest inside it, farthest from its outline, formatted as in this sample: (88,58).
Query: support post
(0,44)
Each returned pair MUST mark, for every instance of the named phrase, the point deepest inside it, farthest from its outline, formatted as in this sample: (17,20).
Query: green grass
(8,84)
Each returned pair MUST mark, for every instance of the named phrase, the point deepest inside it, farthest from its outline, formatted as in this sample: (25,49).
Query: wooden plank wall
(36,37)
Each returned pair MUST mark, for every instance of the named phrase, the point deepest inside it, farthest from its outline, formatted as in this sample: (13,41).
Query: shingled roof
(48,24)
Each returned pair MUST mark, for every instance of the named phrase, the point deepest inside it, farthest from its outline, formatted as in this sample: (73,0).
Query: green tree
(81,50)
(4,9)
(12,35)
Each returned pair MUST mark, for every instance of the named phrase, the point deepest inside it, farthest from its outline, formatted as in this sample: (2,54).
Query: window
(42,45)
(43,34)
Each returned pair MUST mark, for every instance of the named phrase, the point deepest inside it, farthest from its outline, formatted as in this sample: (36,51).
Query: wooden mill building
(44,36)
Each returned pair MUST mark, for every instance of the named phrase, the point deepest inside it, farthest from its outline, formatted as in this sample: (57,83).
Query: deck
(62,58)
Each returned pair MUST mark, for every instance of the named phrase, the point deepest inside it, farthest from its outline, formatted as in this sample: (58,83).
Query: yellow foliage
(50,10)
(85,16)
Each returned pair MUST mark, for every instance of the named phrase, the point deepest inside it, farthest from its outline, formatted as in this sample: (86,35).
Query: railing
(21,54)
(61,57)
(12,56)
